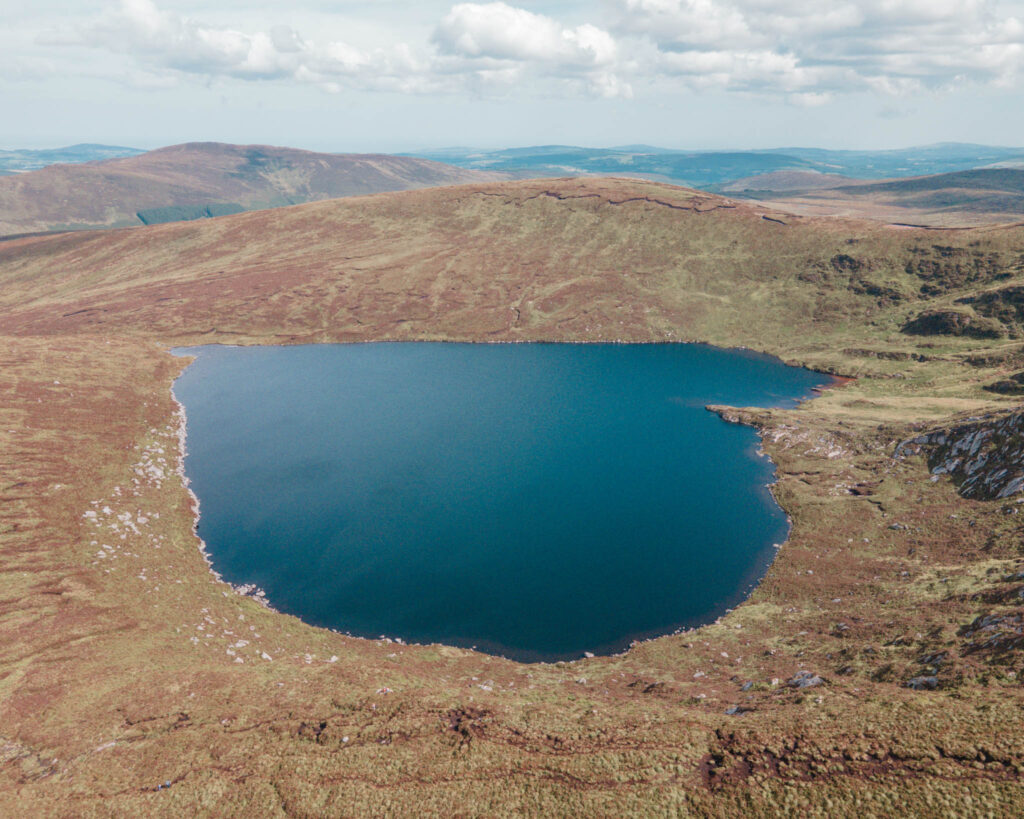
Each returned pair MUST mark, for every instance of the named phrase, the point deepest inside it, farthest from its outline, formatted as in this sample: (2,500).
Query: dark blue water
(532,500)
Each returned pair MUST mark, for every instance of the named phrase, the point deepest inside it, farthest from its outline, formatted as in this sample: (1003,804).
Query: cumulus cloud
(481,36)
(474,47)
(811,50)
(506,33)
(166,42)
(805,52)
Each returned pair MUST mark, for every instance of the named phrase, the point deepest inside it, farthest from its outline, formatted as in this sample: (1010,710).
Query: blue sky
(393,75)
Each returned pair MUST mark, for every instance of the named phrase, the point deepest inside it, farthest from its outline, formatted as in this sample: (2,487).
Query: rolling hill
(784,181)
(197,180)
(711,169)
(963,198)
(693,169)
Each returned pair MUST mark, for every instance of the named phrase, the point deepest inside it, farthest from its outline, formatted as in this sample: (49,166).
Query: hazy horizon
(440,148)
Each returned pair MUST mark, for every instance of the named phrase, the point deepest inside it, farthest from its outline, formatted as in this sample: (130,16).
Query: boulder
(804,679)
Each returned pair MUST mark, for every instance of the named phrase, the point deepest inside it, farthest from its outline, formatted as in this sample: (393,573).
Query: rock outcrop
(1014,385)
(951,323)
(984,456)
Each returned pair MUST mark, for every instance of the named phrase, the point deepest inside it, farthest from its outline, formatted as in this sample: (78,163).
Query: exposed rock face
(985,457)
(994,633)
(950,323)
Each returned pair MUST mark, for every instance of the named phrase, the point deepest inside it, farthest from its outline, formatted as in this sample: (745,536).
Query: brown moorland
(875,670)
(984,196)
(200,179)
(786,182)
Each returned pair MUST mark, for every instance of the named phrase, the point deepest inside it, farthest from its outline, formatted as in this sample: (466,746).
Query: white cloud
(697,23)
(169,45)
(477,47)
(830,46)
(506,33)
(492,34)
(806,53)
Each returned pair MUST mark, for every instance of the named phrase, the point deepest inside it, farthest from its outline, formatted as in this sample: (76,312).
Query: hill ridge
(184,181)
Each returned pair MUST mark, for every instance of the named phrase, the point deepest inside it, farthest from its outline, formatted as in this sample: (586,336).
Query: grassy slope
(118,672)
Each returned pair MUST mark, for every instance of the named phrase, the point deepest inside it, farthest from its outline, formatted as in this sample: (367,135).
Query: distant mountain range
(711,169)
(20,161)
(699,169)
(94,186)
(198,180)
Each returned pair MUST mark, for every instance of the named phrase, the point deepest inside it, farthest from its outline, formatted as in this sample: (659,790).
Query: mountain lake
(536,501)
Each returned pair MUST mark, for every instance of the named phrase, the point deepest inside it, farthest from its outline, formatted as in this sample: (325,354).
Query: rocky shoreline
(244,589)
